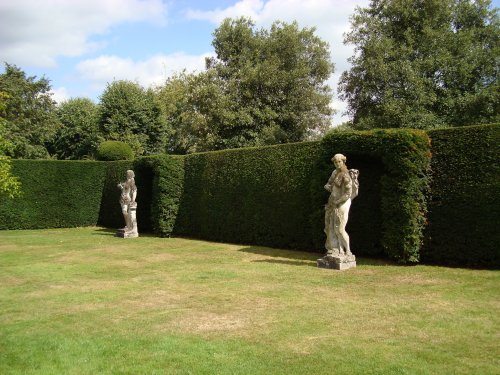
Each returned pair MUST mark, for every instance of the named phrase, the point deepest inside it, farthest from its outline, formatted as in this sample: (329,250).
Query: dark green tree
(78,136)
(423,64)
(29,113)
(263,87)
(131,114)
(275,81)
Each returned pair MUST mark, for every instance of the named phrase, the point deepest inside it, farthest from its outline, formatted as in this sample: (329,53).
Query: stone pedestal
(341,262)
(130,232)
(124,233)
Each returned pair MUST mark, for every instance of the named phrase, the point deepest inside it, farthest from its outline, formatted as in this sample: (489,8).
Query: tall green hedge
(167,192)
(75,193)
(464,212)
(110,212)
(255,196)
(274,195)
(54,194)
(405,157)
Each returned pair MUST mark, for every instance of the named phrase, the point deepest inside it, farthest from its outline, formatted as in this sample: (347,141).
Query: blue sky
(80,45)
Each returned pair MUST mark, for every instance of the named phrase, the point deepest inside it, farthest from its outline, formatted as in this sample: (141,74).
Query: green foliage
(167,193)
(9,184)
(78,136)
(423,64)
(258,196)
(405,156)
(465,205)
(273,196)
(193,104)
(263,87)
(29,113)
(156,178)
(130,114)
(114,150)
(55,194)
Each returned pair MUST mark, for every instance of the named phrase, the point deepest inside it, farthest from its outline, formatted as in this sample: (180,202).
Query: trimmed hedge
(167,192)
(274,195)
(110,213)
(405,156)
(75,193)
(464,212)
(256,196)
(114,150)
(54,194)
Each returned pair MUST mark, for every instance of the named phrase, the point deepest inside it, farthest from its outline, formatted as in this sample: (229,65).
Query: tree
(78,135)
(9,184)
(423,64)
(131,114)
(29,113)
(275,80)
(263,87)
(196,107)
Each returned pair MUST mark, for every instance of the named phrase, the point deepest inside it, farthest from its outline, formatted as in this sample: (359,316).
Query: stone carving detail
(343,187)
(129,207)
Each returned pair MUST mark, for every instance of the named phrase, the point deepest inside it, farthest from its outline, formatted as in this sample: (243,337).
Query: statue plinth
(124,233)
(337,262)
(130,232)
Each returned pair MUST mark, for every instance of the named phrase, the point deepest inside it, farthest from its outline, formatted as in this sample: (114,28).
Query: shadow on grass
(294,257)
(104,232)
(302,258)
(288,262)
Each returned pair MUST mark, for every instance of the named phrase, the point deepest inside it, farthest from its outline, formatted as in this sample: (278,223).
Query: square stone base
(337,263)
(123,234)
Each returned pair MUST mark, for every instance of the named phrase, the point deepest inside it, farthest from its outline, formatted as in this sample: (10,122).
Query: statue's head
(130,174)
(339,160)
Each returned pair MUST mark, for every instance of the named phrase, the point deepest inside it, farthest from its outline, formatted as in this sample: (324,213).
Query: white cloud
(249,8)
(35,33)
(150,72)
(60,94)
(329,17)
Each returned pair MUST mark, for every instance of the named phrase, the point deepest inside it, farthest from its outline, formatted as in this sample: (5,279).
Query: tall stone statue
(343,187)
(129,206)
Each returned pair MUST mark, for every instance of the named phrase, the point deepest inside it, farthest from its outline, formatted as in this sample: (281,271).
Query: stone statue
(343,187)
(129,206)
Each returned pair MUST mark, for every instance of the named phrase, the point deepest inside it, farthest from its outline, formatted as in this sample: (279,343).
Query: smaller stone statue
(129,206)
(343,187)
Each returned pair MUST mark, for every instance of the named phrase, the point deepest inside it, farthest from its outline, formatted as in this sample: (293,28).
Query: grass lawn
(81,301)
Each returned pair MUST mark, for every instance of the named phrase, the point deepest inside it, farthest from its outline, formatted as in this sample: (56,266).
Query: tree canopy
(29,113)
(78,135)
(9,184)
(263,87)
(423,64)
(131,114)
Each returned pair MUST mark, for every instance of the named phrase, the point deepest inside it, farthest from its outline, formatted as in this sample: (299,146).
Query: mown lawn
(80,301)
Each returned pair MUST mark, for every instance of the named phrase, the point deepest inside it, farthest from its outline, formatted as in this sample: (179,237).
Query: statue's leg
(126,216)
(342,234)
(328,230)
